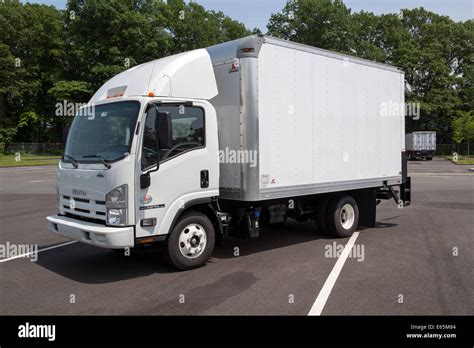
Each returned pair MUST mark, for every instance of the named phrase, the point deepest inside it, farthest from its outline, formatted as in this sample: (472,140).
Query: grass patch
(28,160)
(462,159)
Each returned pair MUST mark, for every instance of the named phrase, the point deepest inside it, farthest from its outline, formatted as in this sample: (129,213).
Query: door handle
(204,178)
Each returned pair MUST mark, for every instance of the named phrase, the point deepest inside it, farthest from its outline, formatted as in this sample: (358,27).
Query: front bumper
(90,233)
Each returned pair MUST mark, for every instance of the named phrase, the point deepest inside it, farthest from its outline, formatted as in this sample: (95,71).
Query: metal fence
(449,149)
(57,149)
(33,148)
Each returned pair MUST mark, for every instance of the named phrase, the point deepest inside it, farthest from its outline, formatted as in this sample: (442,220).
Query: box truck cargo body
(314,118)
(220,141)
(420,145)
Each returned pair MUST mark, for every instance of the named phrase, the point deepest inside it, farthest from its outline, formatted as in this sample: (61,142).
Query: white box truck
(420,145)
(190,148)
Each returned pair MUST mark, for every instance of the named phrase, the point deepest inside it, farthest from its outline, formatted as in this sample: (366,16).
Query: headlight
(117,217)
(116,202)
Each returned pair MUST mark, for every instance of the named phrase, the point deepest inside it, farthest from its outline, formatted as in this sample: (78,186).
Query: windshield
(104,134)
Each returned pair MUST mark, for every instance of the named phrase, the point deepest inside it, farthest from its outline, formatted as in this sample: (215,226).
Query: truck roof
(250,46)
(190,74)
(184,75)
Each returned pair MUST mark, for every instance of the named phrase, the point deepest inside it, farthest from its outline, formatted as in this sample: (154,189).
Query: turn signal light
(148,222)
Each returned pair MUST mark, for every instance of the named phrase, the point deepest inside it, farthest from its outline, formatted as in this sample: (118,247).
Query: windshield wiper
(72,159)
(100,158)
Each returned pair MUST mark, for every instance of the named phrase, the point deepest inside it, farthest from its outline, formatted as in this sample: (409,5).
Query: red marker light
(248,50)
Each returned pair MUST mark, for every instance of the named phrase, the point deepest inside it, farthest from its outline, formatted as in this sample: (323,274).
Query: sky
(255,13)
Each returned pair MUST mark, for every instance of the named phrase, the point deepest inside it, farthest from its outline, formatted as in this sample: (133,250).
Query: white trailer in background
(187,149)
(420,145)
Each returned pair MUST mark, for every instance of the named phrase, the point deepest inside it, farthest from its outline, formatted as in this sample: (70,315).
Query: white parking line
(323,296)
(43,180)
(48,248)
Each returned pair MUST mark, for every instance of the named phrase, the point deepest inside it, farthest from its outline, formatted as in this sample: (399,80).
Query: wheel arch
(203,206)
(366,203)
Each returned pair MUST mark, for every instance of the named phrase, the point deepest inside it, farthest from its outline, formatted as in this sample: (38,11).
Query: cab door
(188,170)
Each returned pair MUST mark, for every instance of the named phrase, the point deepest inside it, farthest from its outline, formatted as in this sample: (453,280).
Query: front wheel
(191,241)
(343,216)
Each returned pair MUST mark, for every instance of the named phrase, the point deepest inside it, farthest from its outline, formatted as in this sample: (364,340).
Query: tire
(343,216)
(320,216)
(191,241)
(429,158)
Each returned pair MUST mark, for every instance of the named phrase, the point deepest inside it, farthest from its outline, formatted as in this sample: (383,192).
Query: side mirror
(145,180)
(163,129)
(163,138)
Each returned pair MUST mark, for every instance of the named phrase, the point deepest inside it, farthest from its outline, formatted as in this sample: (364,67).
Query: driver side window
(187,131)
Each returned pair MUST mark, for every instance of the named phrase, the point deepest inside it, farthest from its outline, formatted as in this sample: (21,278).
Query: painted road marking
(44,249)
(323,296)
(43,180)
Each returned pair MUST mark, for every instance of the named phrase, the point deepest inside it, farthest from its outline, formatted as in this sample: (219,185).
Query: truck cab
(145,126)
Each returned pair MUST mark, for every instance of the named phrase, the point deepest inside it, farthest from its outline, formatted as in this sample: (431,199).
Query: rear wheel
(191,241)
(343,216)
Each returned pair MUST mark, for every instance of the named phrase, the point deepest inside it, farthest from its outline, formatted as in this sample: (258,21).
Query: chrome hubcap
(192,241)
(347,216)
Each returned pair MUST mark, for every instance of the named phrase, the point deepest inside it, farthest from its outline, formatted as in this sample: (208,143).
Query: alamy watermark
(334,250)
(9,250)
(66,108)
(392,108)
(238,156)
(28,330)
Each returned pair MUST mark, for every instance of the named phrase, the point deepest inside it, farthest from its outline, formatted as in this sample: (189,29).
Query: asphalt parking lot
(418,260)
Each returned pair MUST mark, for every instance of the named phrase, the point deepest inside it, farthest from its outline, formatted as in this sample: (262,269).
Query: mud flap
(367,202)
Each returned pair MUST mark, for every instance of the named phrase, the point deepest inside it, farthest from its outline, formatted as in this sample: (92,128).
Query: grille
(84,208)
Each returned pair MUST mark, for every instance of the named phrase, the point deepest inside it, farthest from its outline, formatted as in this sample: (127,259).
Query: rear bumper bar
(90,233)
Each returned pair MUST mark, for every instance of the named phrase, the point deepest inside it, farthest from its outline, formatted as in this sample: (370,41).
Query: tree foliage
(49,55)
(435,52)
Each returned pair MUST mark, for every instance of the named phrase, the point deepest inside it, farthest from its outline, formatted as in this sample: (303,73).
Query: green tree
(435,74)
(49,55)
(463,128)
(191,26)
(104,38)
(435,52)
(321,23)
(31,49)
(107,37)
